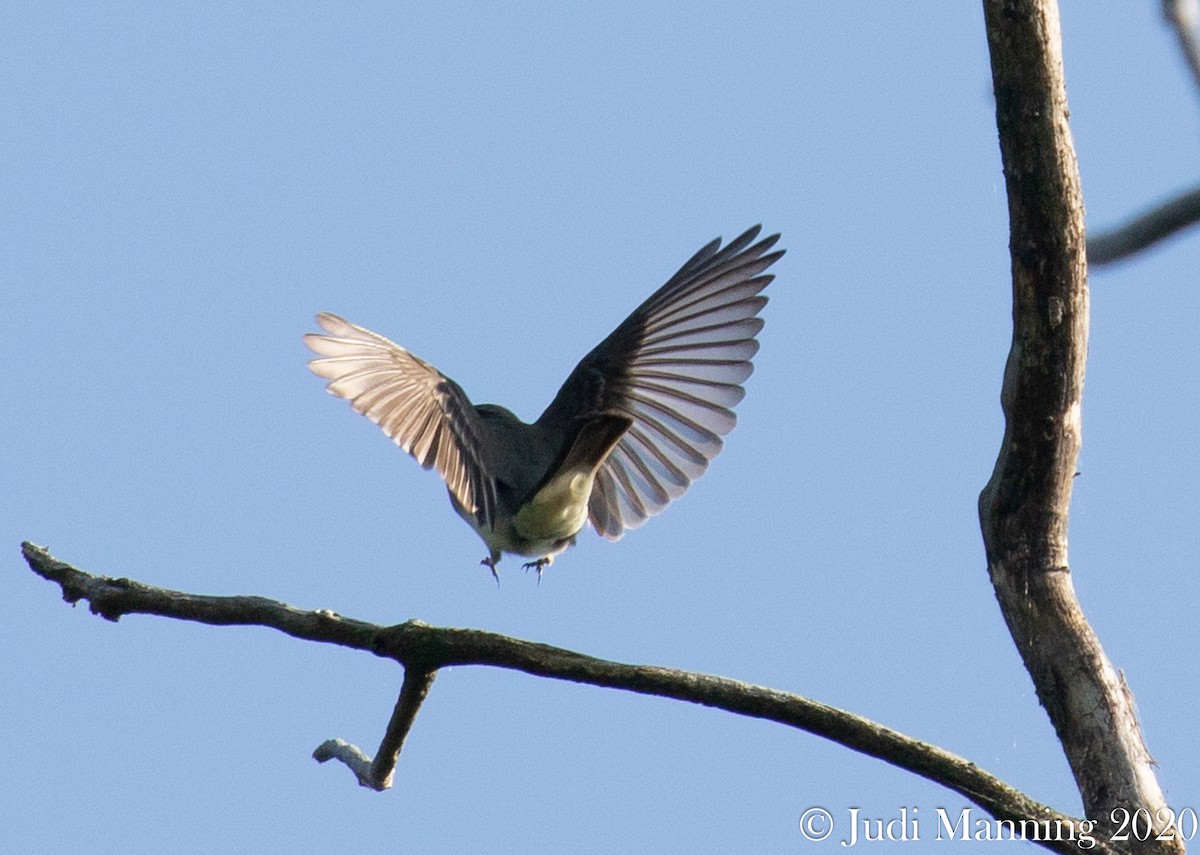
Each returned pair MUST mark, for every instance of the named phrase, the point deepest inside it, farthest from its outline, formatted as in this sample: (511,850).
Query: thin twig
(1175,214)
(377,774)
(1184,17)
(1146,229)
(423,649)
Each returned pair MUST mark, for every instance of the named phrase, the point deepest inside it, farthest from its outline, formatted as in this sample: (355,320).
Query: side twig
(1184,18)
(1181,211)
(1146,229)
(377,774)
(423,649)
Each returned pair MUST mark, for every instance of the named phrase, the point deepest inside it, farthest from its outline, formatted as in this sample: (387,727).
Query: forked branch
(423,649)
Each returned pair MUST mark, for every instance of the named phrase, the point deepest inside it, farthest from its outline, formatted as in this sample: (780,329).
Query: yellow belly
(558,511)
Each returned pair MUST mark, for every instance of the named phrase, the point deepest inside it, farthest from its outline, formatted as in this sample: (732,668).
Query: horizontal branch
(423,649)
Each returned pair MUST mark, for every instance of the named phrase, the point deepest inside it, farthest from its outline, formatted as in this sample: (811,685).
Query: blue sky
(185,186)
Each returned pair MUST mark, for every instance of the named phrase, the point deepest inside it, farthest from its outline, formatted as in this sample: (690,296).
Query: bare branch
(1024,507)
(360,764)
(423,649)
(1146,229)
(377,774)
(1175,214)
(1184,16)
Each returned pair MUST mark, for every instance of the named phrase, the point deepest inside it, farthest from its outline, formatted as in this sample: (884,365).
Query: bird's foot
(490,563)
(539,565)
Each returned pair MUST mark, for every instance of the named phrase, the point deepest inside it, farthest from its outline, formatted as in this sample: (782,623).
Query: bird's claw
(490,563)
(538,566)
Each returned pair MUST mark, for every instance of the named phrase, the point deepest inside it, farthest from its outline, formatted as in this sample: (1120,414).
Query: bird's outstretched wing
(424,412)
(675,366)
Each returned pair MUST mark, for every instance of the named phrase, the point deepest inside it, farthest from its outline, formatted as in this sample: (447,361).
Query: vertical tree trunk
(1024,508)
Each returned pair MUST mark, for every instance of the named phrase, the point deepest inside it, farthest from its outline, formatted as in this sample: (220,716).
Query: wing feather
(675,366)
(422,410)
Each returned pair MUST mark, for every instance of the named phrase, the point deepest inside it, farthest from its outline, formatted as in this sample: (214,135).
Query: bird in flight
(636,422)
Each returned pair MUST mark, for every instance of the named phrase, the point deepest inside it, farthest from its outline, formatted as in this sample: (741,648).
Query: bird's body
(634,424)
(542,494)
